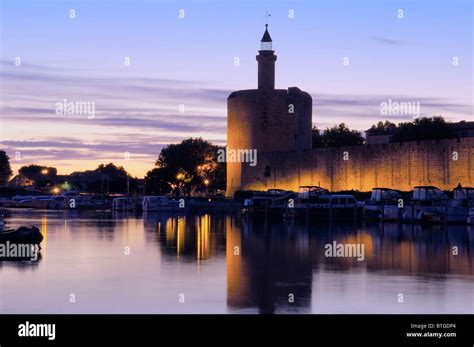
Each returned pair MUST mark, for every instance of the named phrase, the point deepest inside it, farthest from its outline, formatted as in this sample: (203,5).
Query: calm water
(223,264)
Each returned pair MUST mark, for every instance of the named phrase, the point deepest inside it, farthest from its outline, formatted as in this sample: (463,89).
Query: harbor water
(104,262)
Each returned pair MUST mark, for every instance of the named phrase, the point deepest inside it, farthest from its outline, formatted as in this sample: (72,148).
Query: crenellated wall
(397,165)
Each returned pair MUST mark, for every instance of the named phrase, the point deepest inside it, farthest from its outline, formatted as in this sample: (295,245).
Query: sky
(349,55)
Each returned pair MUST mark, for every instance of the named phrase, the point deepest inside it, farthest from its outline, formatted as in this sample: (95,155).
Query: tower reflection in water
(271,266)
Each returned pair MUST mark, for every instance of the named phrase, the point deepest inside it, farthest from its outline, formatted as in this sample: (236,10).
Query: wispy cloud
(141,114)
(387,41)
(366,108)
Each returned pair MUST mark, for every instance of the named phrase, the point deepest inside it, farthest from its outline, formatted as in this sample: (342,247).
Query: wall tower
(266,119)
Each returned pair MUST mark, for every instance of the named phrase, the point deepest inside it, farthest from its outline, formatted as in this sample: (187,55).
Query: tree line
(420,129)
(191,166)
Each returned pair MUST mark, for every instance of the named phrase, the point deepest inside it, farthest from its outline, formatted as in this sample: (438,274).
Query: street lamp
(206,183)
(44,171)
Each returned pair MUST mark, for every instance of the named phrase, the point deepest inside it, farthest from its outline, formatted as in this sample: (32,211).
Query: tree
(5,169)
(424,129)
(158,181)
(36,171)
(113,179)
(317,138)
(337,136)
(382,128)
(42,175)
(191,165)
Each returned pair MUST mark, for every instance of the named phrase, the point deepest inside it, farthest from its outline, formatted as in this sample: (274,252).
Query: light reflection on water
(122,263)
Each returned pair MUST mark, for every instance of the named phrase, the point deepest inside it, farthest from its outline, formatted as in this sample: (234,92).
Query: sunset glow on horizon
(155,78)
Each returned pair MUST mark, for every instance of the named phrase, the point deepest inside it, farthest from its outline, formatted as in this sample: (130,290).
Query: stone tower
(265,119)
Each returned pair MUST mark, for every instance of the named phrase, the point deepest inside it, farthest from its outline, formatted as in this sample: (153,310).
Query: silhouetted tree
(423,129)
(5,169)
(193,163)
(113,179)
(317,138)
(382,128)
(42,175)
(337,136)
(34,171)
(159,181)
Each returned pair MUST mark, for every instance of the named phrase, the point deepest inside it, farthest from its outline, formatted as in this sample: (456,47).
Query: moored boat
(22,235)
(428,204)
(328,206)
(159,204)
(273,202)
(383,204)
(124,204)
(461,205)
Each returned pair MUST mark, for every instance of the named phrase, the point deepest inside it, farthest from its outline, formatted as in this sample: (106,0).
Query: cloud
(387,41)
(365,109)
(141,114)
(134,104)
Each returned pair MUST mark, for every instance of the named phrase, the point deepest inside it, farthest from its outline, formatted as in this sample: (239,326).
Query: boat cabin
(384,195)
(309,192)
(464,193)
(428,193)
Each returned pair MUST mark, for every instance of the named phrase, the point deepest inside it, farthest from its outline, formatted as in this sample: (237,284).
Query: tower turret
(266,62)
(264,120)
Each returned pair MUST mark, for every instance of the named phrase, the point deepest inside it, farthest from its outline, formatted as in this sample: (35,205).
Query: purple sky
(190,62)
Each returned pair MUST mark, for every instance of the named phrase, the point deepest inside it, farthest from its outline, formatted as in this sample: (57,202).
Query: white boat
(86,202)
(428,204)
(383,202)
(470,217)
(461,205)
(21,201)
(42,202)
(159,203)
(124,204)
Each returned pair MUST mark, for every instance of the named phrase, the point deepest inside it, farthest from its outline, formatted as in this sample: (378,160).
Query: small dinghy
(23,235)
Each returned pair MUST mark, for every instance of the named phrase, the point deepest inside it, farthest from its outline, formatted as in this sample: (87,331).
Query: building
(374,137)
(460,129)
(266,119)
(276,124)
(22,180)
(463,129)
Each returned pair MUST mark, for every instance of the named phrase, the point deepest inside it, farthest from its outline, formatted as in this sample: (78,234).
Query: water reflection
(270,265)
(258,266)
(187,237)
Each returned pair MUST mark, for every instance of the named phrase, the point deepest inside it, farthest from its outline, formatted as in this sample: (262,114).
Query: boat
(22,235)
(461,205)
(47,202)
(124,204)
(40,202)
(273,202)
(470,217)
(21,201)
(159,204)
(309,192)
(86,202)
(317,202)
(383,204)
(428,204)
